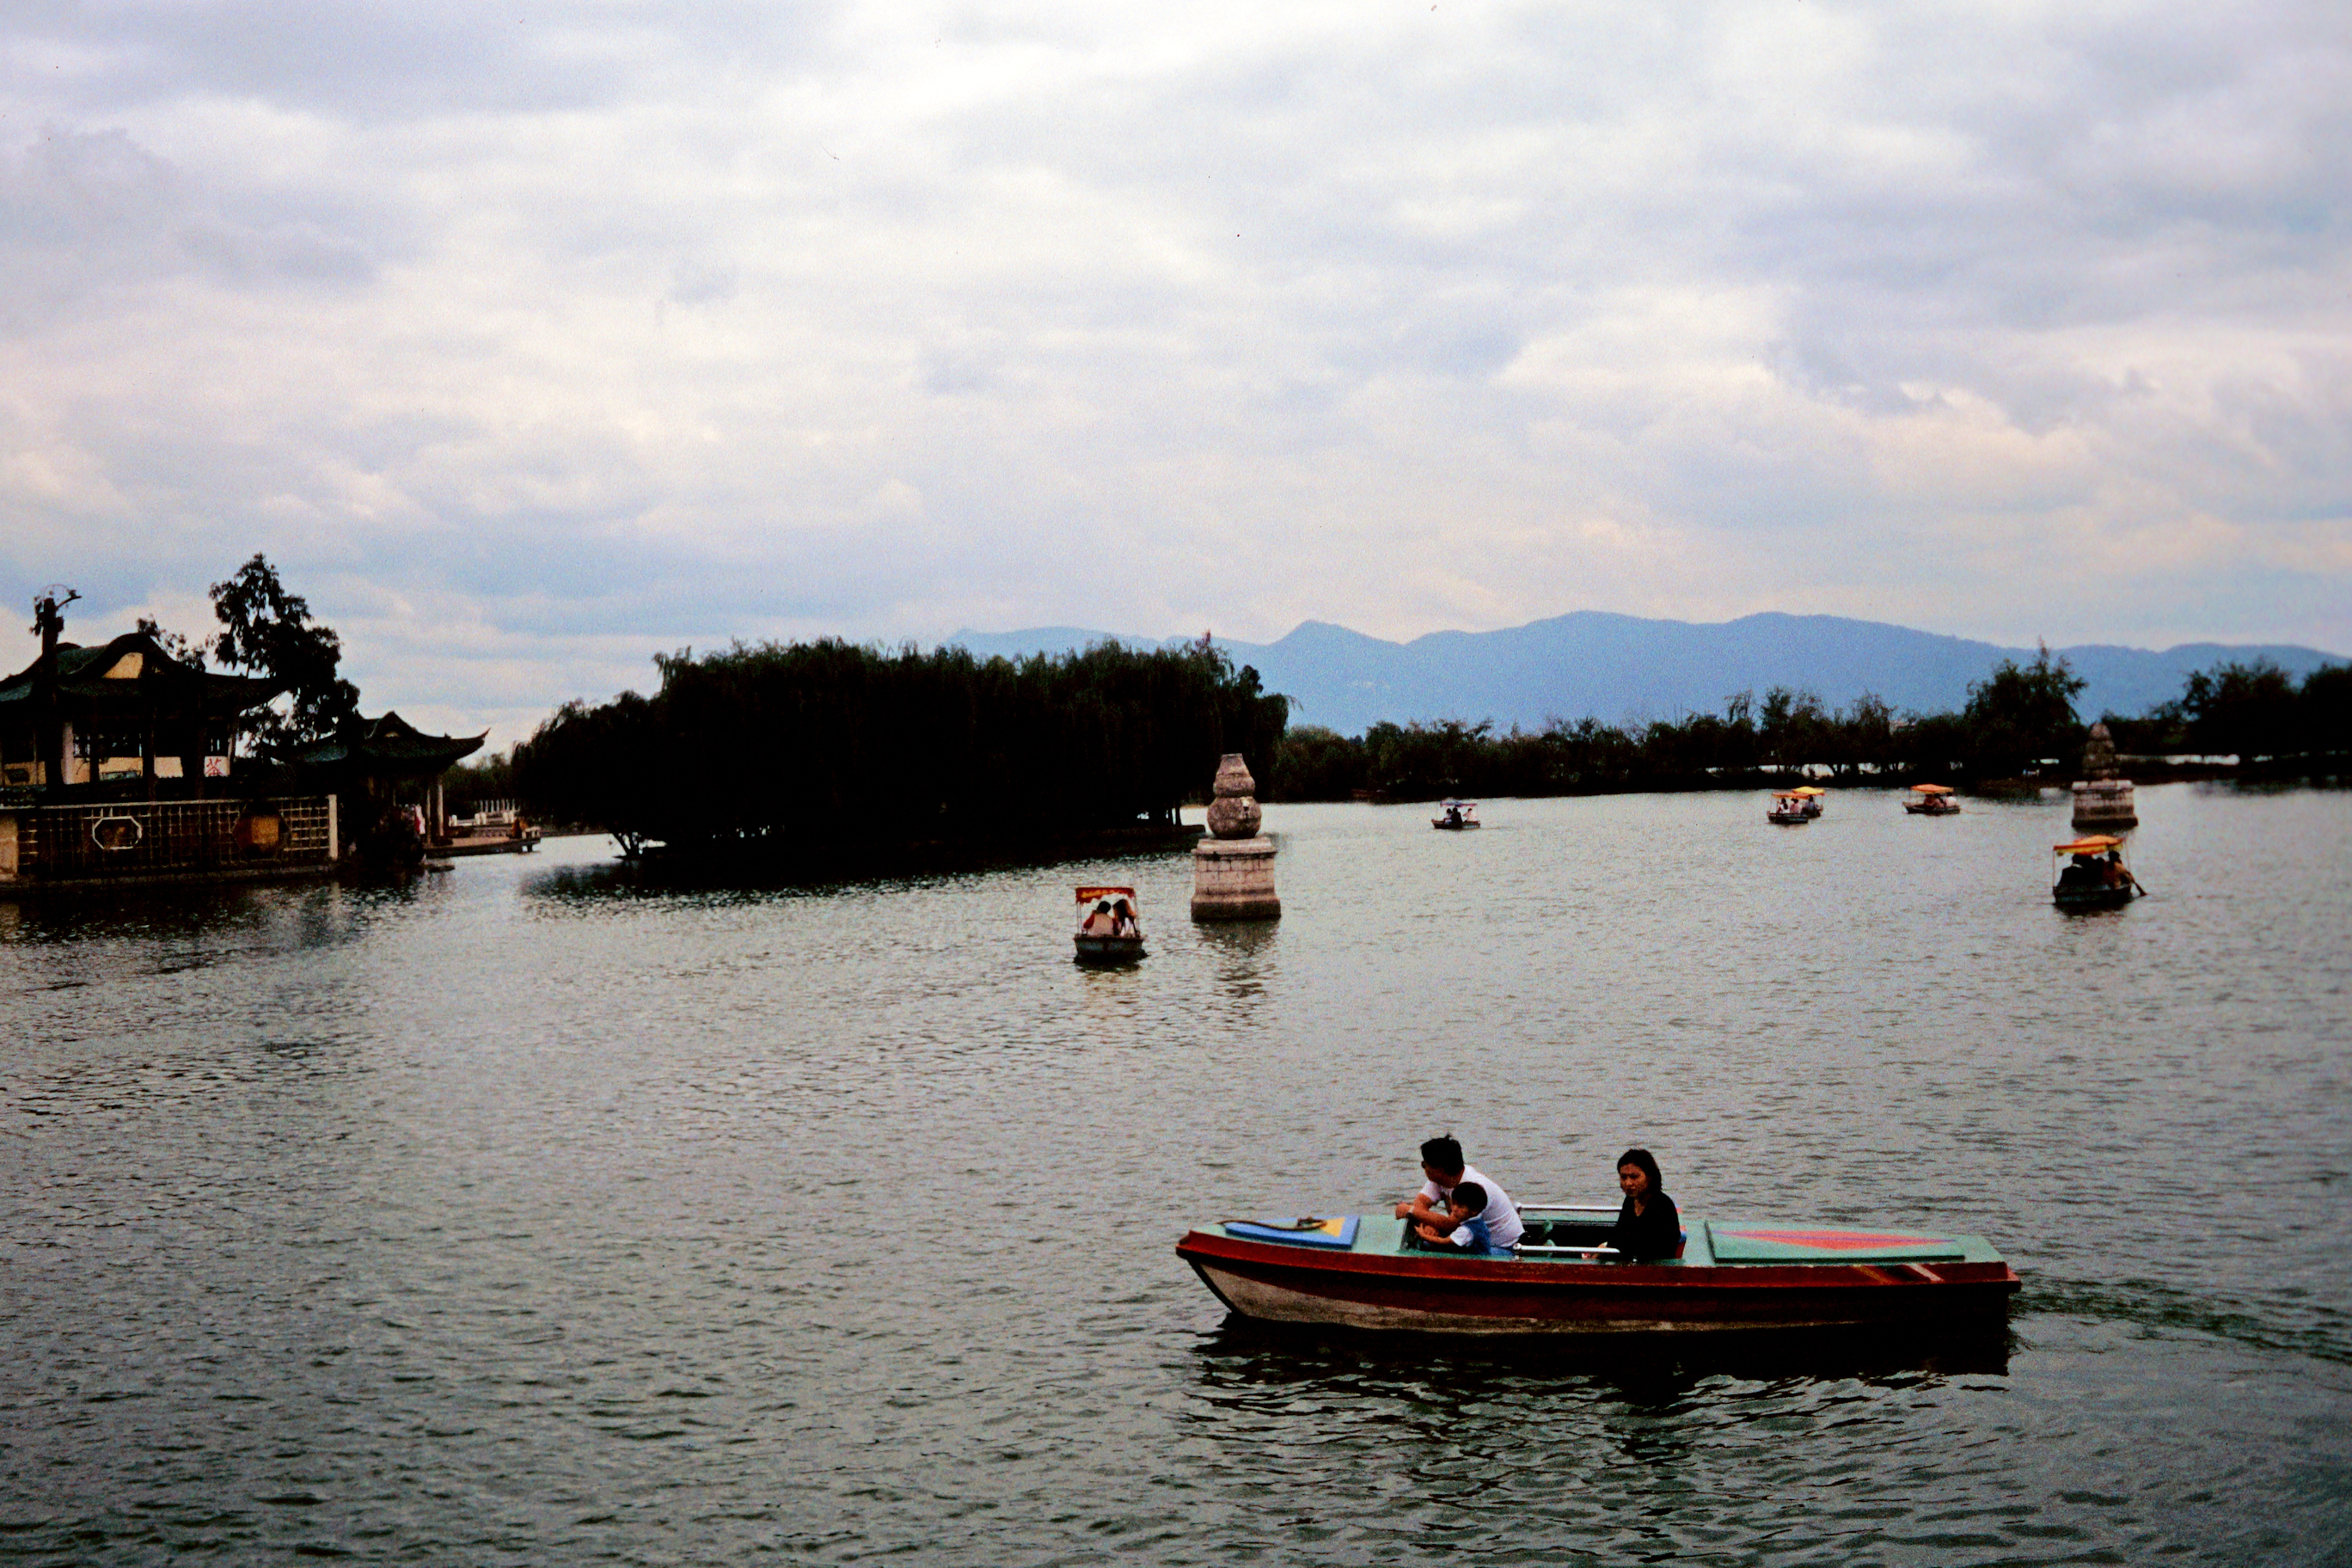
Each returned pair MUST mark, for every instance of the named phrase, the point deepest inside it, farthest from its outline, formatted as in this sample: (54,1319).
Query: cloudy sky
(531,339)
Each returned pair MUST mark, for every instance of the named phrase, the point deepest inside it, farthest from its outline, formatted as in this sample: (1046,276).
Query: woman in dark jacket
(1648,1227)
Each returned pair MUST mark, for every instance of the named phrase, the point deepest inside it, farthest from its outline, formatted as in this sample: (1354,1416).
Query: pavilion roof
(134,674)
(391,747)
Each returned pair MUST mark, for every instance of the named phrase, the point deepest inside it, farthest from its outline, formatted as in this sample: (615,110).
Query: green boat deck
(1714,1242)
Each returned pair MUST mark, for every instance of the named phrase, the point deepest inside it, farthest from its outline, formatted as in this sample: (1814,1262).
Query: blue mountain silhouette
(1621,669)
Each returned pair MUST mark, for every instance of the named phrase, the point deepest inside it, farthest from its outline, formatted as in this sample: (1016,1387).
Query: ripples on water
(529,1215)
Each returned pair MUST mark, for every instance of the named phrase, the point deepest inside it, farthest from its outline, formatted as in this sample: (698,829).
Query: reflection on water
(1283,1354)
(1243,955)
(1654,1449)
(538,1213)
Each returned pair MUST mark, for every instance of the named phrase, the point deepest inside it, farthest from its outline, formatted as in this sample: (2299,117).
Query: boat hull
(1273,1283)
(1109,950)
(2092,898)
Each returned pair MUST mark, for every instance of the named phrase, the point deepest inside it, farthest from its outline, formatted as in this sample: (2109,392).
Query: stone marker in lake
(1233,868)
(2102,801)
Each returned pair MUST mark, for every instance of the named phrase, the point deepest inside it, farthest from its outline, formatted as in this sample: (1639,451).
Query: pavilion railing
(138,839)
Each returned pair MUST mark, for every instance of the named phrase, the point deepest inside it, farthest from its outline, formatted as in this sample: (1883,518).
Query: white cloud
(531,344)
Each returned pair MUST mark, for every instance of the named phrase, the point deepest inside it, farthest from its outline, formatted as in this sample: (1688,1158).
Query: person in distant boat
(1099,921)
(2111,870)
(1468,1233)
(2078,873)
(1648,1227)
(1443,1164)
(1122,919)
(1453,816)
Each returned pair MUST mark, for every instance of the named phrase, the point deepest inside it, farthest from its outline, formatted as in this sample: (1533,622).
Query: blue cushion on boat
(1337,1234)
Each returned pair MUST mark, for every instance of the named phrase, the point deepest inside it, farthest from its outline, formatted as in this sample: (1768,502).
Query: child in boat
(1469,1233)
(1443,1164)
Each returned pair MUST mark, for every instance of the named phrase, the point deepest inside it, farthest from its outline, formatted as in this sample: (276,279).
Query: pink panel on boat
(1837,1240)
(1822,1244)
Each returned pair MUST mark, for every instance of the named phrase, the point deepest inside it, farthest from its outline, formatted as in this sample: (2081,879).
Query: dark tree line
(489,776)
(2019,719)
(793,749)
(803,748)
(2256,712)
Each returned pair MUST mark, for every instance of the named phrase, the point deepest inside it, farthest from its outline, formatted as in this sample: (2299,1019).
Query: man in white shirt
(1441,1162)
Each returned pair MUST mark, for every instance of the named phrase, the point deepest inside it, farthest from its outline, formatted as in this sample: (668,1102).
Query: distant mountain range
(1622,667)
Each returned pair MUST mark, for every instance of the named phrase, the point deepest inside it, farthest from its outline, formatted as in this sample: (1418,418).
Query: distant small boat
(1791,809)
(1109,929)
(521,839)
(2093,875)
(1356,1272)
(488,828)
(1934,800)
(1455,815)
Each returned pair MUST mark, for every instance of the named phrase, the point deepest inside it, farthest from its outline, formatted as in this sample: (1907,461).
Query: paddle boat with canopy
(1563,1278)
(2091,874)
(1790,808)
(1455,815)
(1110,928)
(1934,800)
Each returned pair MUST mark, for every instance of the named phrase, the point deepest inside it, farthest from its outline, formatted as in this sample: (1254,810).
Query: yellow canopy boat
(2091,874)
(1934,800)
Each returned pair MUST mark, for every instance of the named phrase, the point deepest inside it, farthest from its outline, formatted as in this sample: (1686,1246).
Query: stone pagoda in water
(2103,803)
(1233,868)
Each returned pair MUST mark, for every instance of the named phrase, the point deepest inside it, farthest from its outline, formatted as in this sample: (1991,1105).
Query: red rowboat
(1730,1277)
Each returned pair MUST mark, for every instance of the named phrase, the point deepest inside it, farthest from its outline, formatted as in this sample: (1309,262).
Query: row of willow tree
(2017,721)
(807,747)
(793,750)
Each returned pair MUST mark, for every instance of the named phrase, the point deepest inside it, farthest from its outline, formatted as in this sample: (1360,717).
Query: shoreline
(2331,771)
(739,864)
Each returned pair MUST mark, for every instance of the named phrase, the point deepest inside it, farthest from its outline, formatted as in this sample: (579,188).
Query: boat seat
(1565,1232)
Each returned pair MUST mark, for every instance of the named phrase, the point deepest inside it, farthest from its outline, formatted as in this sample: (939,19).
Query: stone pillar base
(1232,879)
(2104,803)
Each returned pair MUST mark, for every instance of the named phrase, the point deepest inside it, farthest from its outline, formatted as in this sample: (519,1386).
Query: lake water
(528,1216)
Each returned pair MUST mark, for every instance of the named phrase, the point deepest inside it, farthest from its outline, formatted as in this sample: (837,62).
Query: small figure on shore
(1648,1227)
(1445,1170)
